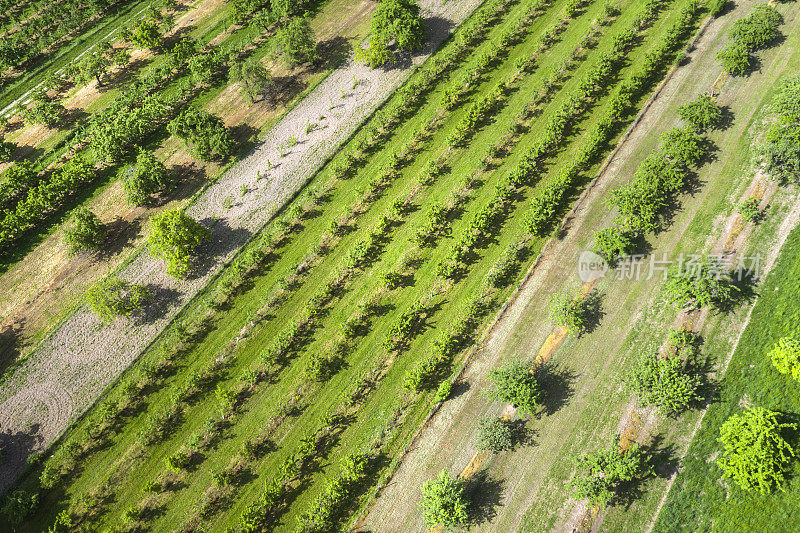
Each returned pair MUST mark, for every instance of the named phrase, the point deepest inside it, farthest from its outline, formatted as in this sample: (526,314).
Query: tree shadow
(485,495)
(121,77)
(458,388)
(10,345)
(745,291)
(333,52)
(70,117)
(222,241)
(557,381)
(591,312)
(162,300)
(187,179)
(119,233)
(16,448)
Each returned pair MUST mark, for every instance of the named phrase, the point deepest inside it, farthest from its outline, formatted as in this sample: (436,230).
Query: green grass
(371,417)
(723,506)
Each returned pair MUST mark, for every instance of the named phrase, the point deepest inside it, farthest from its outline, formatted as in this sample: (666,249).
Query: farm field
(589,402)
(388,232)
(30,312)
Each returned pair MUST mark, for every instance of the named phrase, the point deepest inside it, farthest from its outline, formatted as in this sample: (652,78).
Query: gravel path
(77,362)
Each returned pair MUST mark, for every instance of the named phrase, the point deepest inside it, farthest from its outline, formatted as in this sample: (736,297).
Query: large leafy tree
(641,203)
(18,505)
(601,472)
(787,101)
(83,231)
(145,179)
(747,35)
(663,383)
(207,132)
(394,21)
(701,114)
(256,81)
(515,383)
(683,146)
(173,237)
(44,110)
(295,42)
(113,297)
(147,34)
(785,356)
(701,288)
(6,149)
(780,151)
(570,312)
(755,454)
(444,501)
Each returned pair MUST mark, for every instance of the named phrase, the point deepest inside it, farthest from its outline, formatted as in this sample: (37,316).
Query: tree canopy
(394,21)
(295,42)
(444,501)
(663,382)
(147,177)
(601,472)
(785,356)
(494,435)
(83,231)
(208,134)
(256,81)
(113,297)
(699,288)
(514,382)
(780,151)
(173,237)
(701,114)
(755,454)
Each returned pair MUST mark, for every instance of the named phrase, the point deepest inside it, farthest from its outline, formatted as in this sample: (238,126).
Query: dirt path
(83,357)
(588,407)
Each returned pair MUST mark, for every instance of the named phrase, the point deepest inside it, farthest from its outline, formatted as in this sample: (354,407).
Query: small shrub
(494,435)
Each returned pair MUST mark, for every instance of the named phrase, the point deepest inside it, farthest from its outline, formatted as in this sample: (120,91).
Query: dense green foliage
(494,435)
(18,505)
(749,35)
(173,237)
(780,151)
(146,178)
(570,312)
(755,454)
(601,472)
(83,231)
(515,383)
(706,286)
(613,243)
(295,42)
(444,501)
(113,297)
(44,110)
(701,114)
(394,21)
(663,382)
(785,356)
(206,132)
(257,82)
